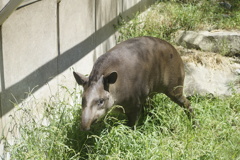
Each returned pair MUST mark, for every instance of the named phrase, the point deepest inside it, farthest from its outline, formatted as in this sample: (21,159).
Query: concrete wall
(3,3)
(42,40)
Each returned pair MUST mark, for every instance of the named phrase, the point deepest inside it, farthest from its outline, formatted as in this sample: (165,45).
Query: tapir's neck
(98,69)
(102,66)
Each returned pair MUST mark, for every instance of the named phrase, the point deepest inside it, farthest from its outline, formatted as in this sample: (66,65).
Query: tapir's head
(96,100)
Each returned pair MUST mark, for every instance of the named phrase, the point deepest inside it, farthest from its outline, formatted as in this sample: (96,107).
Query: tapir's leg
(176,95)
(134,115)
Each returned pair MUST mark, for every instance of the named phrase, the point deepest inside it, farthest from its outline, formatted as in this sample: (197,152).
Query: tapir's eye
(100,102)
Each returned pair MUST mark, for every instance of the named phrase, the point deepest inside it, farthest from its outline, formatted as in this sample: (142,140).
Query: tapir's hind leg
(176,95)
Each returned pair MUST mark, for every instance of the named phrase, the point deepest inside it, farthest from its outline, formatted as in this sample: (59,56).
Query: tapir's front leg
(134,115)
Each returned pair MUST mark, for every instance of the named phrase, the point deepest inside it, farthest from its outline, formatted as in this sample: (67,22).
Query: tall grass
(54,135)
(163,133)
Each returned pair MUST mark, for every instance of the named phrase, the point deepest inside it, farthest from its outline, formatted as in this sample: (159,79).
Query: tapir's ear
(111,78)
(80,78)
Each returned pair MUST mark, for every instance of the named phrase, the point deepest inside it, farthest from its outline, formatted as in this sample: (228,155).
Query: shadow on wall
(59,64)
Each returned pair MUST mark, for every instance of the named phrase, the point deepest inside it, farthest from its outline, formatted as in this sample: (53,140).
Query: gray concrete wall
(42,40)
(3,3)
(29,44)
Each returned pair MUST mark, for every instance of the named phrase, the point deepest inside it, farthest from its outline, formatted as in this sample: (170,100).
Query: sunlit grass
(166,17)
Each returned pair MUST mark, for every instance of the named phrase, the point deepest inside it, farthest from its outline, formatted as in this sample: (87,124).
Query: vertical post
(2,84)
(58,41)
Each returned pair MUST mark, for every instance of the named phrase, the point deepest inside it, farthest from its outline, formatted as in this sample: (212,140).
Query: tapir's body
(128,73)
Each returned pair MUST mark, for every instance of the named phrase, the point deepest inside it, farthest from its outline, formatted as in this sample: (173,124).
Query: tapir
(127,75)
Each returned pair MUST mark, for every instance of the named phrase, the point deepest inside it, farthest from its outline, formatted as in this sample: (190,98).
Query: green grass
(166,17)
(164,132)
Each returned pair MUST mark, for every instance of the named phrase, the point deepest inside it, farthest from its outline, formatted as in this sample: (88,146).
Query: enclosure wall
(42,41)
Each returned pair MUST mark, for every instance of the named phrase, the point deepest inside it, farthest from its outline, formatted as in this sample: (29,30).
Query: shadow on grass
(82,143)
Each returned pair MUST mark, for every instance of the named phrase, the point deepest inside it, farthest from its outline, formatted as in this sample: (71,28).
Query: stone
(225,5)
(223,42)
(210,73)
(202,81)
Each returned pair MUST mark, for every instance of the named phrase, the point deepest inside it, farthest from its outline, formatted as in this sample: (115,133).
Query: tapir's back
(144,65)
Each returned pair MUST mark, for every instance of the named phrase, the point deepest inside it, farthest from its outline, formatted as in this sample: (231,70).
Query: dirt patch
(208,59)
(210,73)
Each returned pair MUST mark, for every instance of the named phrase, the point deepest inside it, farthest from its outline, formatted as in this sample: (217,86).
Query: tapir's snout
(86,120)
(86,124)
(85,127)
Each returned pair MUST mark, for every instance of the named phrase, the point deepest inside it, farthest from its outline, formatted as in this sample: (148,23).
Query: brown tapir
(127,74)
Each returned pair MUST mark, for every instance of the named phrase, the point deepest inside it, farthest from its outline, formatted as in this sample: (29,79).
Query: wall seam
(1,80)
(58,41)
